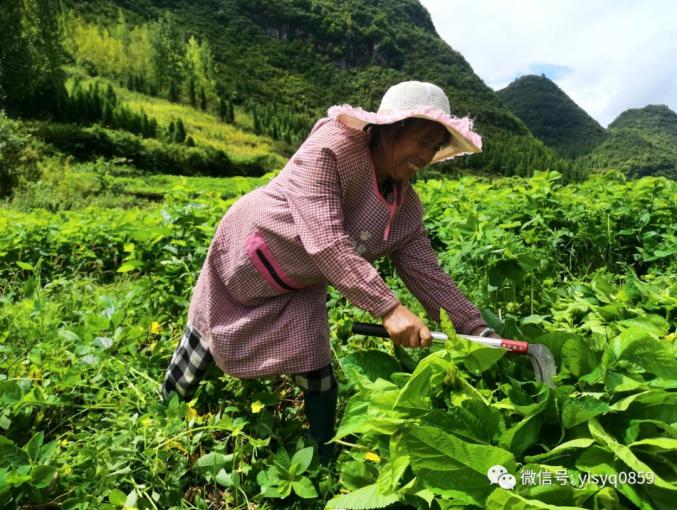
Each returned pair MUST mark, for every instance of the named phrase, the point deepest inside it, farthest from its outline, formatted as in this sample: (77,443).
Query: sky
(606,55)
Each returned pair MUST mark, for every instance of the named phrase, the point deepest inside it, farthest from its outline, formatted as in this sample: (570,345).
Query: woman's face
(412,149)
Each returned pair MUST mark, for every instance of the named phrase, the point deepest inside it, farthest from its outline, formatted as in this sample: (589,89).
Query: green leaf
(625,454)
(480,359)
(33,446)
(522,436)
(656,444)
(428,377)
(575,411)
(597,460)
(42,475)
(356,474)
(304,488)
(445,463)
(11,456)
(227,480)
(127,267)
(578,357)
(650,323)
(25,265)
(371,364)
(561,449)
(364,498)
(502,499)
(212,462)
(640,348)
(302,459)
(117,497)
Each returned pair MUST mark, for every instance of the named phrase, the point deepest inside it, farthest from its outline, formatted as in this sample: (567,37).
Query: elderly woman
(342,201)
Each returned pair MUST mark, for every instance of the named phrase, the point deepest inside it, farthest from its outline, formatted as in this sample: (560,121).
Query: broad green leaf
(561,449)
(625,454)
(42,475)
(362,417)
(653,324)
(429,377)
(578,357)
(482,358)
(212,462)
(649,353)
(650,428)
(33,446)
(302,459)
(227,480)
(579,410)
(645,397)
(656,444)
(502,499)
(127,267)
(25,265)
(117,497)
(356,474)
(446,464)
(11,456)
(520,437)
(597,460)
(304,488)
(372,364)
(364,498)
(618,382)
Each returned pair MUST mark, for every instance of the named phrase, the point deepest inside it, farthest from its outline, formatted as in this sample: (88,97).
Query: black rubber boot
(321,414)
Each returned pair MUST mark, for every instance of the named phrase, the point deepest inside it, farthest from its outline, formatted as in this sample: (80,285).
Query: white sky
(607,55)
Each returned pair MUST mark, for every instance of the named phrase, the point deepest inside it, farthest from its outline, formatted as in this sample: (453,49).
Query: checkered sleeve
(314,198)
(416,263)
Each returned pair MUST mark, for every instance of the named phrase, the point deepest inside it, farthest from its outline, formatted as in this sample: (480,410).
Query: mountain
(298,57)
(642,141)
(552,116)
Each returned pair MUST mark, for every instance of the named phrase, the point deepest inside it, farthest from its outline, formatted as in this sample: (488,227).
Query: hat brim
(463,139)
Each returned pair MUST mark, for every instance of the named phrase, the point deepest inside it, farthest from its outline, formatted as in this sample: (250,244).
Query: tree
(180,132)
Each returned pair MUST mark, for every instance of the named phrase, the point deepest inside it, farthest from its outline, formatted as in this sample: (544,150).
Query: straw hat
(416,99)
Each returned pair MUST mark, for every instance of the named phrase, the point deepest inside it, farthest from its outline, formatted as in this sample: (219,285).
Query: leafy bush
(18,155)
(147,154)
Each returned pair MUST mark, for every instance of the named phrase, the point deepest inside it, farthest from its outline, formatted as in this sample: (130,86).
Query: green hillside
(552,116)
(285,62)
(642,141)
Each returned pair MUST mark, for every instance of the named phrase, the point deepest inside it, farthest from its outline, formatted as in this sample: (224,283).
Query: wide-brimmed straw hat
(421,100)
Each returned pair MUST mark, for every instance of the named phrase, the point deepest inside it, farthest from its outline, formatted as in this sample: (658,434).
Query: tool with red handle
(540,356)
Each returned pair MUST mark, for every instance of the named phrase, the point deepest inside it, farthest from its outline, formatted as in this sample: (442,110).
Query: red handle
(515,346)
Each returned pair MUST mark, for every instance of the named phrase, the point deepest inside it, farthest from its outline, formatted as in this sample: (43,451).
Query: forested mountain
(287,61)
(642,141)
(552,116)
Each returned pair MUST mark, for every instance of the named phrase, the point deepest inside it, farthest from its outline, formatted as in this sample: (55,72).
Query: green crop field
(94,300)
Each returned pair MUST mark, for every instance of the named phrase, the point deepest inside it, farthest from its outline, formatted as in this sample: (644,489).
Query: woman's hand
(405,328)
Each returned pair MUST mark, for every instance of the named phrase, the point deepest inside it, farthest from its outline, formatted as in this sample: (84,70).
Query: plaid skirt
(192,359)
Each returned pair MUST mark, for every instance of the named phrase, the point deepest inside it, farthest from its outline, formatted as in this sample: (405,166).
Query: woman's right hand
(406,329)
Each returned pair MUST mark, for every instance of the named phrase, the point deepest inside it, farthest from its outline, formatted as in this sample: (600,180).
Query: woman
(342,201)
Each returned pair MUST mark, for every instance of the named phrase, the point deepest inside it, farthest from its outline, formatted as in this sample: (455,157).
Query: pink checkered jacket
(260,299)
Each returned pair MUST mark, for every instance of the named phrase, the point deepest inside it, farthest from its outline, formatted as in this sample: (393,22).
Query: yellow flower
(66,469)
(155,327)
(372,457)
(147,421)
(257,406)
(64,442)
(191,414)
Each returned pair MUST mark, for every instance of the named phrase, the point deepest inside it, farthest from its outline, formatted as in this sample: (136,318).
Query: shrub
(18,156)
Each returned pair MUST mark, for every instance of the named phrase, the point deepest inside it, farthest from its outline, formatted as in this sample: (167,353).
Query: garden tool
(540,356)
